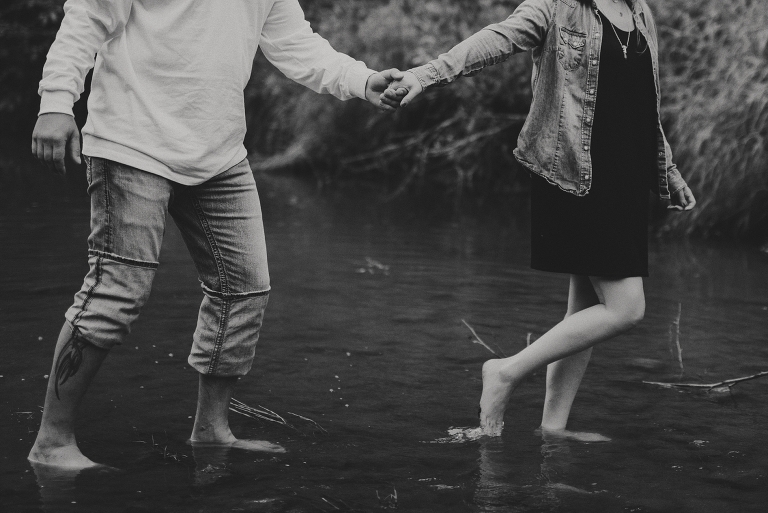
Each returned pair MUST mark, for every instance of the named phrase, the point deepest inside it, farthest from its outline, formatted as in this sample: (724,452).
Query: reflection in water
(504,482)
(56,485)
(556,467)
(211,463)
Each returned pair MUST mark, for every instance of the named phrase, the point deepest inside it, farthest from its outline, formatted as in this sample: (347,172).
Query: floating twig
(726,383)
(262,413)
(258,413)
(318,426)
(478,340)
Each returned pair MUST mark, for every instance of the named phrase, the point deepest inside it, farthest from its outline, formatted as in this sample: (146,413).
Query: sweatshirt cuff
(358,81)
(56,101)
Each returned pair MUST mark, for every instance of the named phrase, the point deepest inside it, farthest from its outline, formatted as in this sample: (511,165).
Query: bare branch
(478,340)
(728,382)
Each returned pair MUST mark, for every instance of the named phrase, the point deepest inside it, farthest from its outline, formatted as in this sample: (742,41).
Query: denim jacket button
(594,62)
(591,91)
(586,147)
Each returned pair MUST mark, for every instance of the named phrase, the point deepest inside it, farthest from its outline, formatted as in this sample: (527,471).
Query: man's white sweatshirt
(167,89)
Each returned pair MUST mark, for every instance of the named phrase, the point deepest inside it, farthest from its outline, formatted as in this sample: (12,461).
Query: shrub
(715,99)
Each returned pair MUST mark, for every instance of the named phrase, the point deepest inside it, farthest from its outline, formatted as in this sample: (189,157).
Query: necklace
(623,46)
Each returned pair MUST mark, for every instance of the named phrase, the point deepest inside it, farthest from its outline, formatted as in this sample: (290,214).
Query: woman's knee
(635,313)
(630,312)
(624,298)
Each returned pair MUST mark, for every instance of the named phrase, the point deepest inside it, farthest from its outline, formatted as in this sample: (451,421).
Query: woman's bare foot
(493,402)
(578,436)
(66,456)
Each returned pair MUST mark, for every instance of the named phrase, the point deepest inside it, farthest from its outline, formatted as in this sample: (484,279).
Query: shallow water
(363,334)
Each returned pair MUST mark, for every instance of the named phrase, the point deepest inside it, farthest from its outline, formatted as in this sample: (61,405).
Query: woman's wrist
(426,75)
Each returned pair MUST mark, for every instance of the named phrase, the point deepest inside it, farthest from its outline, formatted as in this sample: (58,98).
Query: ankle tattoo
(70,359)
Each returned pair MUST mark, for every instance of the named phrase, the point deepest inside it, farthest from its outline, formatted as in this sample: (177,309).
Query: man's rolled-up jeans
(220,221)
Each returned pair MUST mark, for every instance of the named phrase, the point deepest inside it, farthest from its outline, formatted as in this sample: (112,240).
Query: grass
(715,99)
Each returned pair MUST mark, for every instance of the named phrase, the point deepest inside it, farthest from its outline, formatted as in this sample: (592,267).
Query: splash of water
(459,435)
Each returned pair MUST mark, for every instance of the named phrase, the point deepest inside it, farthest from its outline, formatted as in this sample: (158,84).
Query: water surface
(363,334)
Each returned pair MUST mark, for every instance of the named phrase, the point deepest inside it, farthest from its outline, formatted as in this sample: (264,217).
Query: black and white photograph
(429,256)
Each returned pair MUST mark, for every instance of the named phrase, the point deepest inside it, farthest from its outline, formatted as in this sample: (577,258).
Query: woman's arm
(681,196)
(525,29)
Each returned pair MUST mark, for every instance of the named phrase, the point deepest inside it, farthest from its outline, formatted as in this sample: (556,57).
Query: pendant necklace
(623,46)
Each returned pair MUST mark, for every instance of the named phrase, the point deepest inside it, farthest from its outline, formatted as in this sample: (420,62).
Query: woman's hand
(376,87)
(403,82)
(682,199)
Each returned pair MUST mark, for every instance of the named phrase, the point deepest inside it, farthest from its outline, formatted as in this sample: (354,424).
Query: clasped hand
(392,88)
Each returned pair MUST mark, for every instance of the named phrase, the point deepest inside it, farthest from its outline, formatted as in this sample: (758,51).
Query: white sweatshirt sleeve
(289,43)
(86,26)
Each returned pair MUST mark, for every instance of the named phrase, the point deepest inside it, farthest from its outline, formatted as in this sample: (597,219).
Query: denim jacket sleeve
(526,28)
(675,181)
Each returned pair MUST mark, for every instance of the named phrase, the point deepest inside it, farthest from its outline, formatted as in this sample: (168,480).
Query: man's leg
(55,443)
(221,223)
(128,209)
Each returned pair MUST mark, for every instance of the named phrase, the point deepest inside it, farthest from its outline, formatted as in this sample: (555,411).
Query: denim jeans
(220,221)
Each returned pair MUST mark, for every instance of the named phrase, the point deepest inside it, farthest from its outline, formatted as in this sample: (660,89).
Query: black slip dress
(605,233)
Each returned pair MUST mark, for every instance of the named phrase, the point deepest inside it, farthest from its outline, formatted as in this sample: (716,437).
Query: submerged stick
(728,382)
(478,340)
(676,326)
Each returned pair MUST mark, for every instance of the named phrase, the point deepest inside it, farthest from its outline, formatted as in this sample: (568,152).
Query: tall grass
(714,63)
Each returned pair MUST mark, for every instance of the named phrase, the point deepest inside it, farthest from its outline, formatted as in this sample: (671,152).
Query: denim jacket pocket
(570,48)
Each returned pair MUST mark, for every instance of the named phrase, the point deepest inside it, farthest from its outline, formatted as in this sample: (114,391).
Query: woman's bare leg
(564,375)
(622,305)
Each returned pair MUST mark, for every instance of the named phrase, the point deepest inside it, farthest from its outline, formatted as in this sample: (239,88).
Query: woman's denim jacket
(565,36)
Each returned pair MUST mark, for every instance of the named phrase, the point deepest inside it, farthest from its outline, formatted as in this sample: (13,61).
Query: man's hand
(682,200)
(403,82)
(377,85)
(54,136)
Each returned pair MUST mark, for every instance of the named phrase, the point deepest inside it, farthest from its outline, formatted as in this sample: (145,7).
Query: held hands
(392,88)
(403,89)
(682,200)
(378,84)
(56,135)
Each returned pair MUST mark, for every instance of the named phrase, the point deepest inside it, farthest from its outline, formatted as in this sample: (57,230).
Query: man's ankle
(211,434)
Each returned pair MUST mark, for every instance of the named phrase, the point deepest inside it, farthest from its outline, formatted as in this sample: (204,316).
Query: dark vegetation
(456,142)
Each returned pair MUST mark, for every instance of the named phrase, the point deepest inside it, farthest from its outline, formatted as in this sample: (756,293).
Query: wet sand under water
(363,334)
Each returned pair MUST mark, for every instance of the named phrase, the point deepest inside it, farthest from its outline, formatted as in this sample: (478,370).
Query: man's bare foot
(234,443)
(578,436)
(493,402)
(63,456)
